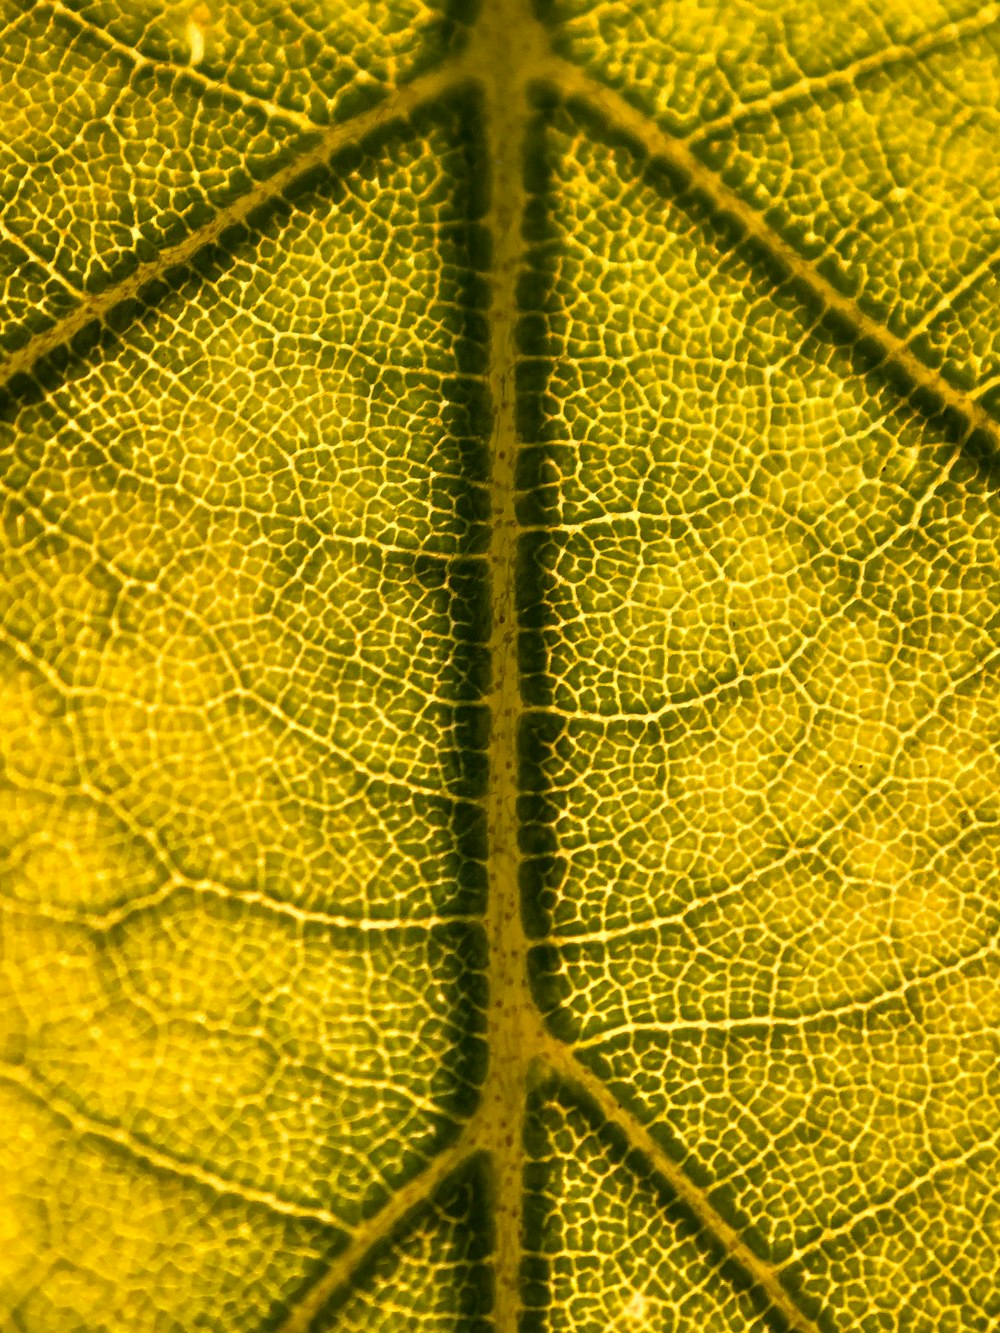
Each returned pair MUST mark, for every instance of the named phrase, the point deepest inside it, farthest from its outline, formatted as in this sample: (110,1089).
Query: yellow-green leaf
(498,693)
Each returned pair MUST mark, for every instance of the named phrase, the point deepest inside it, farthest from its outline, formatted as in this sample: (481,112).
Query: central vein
(506,53)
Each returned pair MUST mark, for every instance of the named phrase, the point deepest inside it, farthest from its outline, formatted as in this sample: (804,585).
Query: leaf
(498,672)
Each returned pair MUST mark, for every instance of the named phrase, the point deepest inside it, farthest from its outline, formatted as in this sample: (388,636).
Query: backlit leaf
(500,745)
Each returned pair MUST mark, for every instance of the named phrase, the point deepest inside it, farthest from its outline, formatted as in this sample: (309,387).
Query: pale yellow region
(173,1032)
(216,464)
(199,743)
(792,761)
(55,603)
(874,856)
(945,778)
(91,1239)
(29,1147)
(817,793)
(769,588)
(967,1004)
(51,976)
(828,480)
(216,773)
(70,855)
(851,671)
(36,745)
(143,1049)
(726,765)
(180,707)
(955,770)
(872,913)
(900,888)
(58,983)
(926,843)
(743,598)
(211,460)
(923,914)
(62,847)
(943,911)
(853,713)
(830,936)
(677,601)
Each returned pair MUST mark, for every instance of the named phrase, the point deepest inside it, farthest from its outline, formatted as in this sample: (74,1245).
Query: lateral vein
(373,1231)
(562,1061)
(94,309)
(897,53)
(574,82)
(149,1155)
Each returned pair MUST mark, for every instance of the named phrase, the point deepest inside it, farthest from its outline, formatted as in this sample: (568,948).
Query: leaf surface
(498,667)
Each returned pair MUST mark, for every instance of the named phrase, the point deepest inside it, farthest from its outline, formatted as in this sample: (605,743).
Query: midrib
(507,51)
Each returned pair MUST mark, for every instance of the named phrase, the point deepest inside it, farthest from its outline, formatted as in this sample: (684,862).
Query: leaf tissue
(499,685)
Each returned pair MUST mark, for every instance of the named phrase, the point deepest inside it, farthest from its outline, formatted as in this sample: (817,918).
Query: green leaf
(498,693)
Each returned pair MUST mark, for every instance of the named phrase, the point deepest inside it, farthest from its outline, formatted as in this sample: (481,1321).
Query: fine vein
(898,53)
(205,82)
(343,135)
(372,1232)
(147,1154)
(563,1062)
(572,81)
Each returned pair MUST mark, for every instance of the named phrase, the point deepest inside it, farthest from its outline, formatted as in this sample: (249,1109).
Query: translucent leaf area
(499,731)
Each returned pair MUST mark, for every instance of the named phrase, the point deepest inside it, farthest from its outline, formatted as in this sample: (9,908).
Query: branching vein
(574,82)
(563,1062)
(936,39)
(149,1155)
(371,1233)
(96,308)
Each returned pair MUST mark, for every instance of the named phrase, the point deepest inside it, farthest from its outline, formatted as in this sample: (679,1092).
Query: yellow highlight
(196,31)
(634,1311)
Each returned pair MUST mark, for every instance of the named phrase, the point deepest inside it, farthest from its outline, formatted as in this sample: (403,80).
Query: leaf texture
(498,673)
